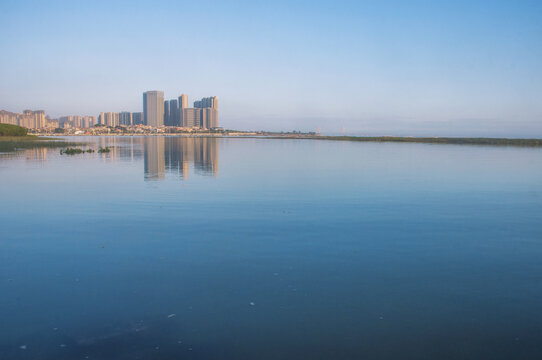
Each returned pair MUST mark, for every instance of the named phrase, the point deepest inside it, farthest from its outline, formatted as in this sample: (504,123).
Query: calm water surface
(170,248)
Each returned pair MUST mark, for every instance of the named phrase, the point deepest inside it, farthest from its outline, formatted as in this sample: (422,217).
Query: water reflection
(155,168)
(161,155)
(120,148)
(307,249)
(202,152)
(174,155)
(38,154)
(31,155)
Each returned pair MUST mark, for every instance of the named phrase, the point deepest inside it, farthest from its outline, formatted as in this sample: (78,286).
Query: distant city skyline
(377,67)
(157,113)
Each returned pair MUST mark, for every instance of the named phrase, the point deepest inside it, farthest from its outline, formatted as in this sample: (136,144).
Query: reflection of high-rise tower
(206,156)
(213,155)
(36,154)
(187,155)
(178,153)
(154,158)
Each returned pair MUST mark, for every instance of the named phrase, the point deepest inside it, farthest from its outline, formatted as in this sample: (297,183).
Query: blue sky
(365,67)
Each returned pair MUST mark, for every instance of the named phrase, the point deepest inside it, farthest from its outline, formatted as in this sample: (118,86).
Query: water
(171,248)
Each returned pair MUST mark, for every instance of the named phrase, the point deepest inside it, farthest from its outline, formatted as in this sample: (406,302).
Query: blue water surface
(229,248)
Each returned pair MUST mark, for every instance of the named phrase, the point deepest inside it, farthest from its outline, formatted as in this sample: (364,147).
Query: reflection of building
(130,149)
(174,154)
(120,149)
(113,143)
(206,156)
(154,158)
(36,154)
(33,155)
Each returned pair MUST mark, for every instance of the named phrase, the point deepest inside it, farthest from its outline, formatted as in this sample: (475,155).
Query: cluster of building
(175,112)
(76,121)
(28,118)
(156,113)
(38,120)
(120,118)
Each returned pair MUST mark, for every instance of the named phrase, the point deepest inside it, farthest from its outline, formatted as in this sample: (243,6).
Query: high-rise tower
(183,101)
(173,113)
(153,108)
(183,104)
(166,113)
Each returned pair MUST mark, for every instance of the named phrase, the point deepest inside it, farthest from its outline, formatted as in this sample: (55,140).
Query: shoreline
(435,140)
(520,142)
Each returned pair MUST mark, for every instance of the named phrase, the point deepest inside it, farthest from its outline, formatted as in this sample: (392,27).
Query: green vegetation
(73,151)
(13,143)
(434,140)
(12,130)
(13,137)
(58,131)
(104,150)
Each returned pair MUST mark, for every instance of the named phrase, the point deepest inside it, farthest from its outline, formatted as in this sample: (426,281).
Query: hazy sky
(375,67)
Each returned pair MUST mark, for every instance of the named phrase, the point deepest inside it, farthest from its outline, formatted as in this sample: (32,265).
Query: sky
(442,68)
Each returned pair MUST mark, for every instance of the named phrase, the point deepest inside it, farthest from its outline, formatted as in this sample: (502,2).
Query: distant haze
(359,67)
